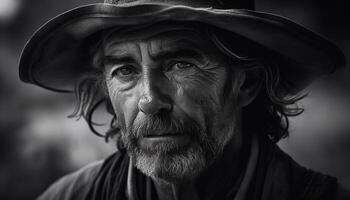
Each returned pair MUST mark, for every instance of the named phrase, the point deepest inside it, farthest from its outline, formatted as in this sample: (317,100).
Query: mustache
(161,124)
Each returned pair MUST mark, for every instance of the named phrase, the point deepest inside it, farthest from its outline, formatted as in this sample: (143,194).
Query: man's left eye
(181,65)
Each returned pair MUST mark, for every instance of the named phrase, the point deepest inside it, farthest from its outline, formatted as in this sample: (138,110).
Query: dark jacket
(277,177)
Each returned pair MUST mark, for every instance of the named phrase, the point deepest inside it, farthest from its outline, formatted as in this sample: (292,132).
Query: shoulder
(74,185)
(303,183)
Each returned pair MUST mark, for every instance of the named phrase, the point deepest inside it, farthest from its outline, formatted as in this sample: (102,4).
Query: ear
(249,86)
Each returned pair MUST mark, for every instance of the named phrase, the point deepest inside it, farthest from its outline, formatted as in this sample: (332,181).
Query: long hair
(268,114)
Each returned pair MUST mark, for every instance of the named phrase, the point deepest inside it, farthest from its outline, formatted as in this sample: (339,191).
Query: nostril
(151,105)
(165,110)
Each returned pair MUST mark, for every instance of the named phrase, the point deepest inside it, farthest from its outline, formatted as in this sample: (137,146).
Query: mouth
(168,140)
(163,134)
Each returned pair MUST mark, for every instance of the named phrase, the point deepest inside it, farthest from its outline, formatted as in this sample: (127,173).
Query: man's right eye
(124,72)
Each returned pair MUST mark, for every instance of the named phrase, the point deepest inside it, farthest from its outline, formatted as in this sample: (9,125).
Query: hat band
(219,4)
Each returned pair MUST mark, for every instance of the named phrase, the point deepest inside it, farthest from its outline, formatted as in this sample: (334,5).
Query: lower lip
(177,140)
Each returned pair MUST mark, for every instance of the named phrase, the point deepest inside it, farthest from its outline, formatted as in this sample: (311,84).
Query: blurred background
(38,143)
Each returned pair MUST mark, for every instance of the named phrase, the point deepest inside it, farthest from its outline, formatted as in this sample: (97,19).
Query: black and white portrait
(174,100)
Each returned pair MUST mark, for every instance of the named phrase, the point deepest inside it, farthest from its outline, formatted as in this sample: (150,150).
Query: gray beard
(165,163)
(175,166)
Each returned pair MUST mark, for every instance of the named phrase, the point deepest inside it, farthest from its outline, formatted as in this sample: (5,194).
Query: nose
(154,98)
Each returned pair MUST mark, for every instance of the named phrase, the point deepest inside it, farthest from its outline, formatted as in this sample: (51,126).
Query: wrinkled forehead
(163,35)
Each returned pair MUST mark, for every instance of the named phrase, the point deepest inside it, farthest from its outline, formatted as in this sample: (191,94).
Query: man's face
(168,93)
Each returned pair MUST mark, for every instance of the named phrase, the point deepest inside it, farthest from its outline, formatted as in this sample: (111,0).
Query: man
(199,91)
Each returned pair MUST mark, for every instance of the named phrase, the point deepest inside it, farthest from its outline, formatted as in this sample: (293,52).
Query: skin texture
(169,92)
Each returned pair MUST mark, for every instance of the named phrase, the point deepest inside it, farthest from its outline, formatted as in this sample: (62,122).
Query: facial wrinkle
(211,69)
(155,47)
(179,43)
(113,50)
(212,72)
(195,92)
(197,95)
(205,79)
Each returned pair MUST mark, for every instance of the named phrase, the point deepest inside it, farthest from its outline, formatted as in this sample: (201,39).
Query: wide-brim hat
(57,55)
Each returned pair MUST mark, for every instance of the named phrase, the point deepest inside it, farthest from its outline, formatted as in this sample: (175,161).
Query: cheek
(200,96)
(206,88)
(184,100)
(124,103)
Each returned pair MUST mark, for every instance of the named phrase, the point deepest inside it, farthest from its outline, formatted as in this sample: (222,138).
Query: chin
(172,166)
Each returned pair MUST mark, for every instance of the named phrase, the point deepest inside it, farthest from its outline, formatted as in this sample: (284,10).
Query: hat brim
(54,57)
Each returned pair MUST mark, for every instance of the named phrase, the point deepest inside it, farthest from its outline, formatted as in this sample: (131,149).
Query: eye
(124,72)
(181,65)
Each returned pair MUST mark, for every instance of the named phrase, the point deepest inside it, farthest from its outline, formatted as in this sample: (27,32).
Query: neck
(176,191)
(218,179)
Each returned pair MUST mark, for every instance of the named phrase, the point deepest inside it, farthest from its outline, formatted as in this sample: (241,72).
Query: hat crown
(220,4)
